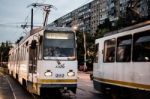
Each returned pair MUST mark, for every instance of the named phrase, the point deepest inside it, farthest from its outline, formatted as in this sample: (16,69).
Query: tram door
(32,63)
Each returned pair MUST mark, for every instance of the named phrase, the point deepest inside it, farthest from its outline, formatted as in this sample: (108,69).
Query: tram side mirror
(33,44)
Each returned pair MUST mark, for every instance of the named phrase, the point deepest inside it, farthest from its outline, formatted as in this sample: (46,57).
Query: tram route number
(59,75)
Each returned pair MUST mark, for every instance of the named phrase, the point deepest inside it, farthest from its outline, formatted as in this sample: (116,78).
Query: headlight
(48,73)
(71,73)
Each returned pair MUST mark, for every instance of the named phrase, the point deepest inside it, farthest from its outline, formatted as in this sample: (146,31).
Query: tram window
(59,45)
(24,53)
(32,60)
(21,54)
(141,48)
(109,53)
(124,49)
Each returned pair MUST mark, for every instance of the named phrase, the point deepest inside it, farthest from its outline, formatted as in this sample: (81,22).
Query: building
(89,16)
(99,12)
(79,17)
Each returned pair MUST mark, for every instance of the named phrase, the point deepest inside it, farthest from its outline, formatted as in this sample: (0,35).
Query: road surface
(11,89)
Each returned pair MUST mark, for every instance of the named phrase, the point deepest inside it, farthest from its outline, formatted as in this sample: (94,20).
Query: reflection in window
(58,52)
(109,54)
(141,48)
(124,49)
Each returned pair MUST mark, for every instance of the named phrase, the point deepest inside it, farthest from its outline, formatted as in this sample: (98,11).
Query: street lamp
(75,28)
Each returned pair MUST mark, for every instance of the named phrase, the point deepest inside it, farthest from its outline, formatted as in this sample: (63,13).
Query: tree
(80,47)
(4,51)
(103,28)
(90,40)
(90,45)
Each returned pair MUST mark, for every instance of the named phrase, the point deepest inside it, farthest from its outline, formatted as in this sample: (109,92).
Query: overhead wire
(11,25)
(27,17)
(37,9)
(26,22)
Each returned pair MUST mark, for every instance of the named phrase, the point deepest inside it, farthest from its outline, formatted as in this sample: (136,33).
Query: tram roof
(128,28)
(47,28)
(62,29)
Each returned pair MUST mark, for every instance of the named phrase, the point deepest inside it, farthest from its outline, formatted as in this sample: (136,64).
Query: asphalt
(11,89)
(5,89)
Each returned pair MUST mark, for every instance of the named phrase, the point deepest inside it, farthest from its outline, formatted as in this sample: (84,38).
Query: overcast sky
(14,13)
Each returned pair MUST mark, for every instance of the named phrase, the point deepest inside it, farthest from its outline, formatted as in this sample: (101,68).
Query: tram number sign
(59,75)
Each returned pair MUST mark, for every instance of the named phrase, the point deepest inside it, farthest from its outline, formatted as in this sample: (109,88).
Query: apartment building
(99,12)
(89,16)
(79,17)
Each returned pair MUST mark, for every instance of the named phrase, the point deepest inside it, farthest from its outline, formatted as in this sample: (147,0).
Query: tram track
(6,86)
(10,87)
(17,91)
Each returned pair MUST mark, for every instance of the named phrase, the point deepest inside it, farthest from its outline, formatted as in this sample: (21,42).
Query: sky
(14,13)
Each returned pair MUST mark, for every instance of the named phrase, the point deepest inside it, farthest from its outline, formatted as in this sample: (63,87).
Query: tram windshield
(59,45)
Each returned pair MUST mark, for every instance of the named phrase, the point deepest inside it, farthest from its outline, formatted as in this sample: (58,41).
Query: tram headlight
(48,73)
(71,73)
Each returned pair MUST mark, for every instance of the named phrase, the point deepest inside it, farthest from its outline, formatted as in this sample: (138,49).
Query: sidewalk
(87,72)
(84,75)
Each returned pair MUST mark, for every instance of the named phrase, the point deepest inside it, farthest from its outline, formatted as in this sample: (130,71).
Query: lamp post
(84,38)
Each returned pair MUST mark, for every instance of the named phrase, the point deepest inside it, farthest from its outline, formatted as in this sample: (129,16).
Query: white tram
(123,60)
(45,59)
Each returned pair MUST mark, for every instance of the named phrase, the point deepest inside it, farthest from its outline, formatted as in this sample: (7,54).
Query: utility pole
(84,42)
(31,20)
(84,38)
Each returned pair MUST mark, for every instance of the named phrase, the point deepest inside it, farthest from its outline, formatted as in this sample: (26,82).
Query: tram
(45,59)
(122,61)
